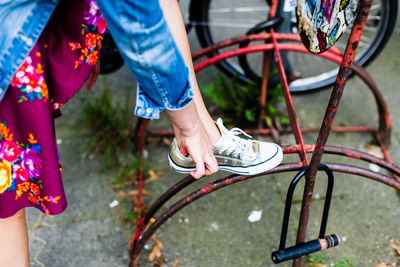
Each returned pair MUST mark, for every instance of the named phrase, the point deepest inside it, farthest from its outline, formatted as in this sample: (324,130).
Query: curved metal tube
(218,184)
(348,152)
(384,127)
(251,38)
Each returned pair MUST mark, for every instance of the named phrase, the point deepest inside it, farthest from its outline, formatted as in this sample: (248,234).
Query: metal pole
(355,36)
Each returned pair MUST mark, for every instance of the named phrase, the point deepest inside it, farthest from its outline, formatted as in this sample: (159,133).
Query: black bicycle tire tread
(199,12)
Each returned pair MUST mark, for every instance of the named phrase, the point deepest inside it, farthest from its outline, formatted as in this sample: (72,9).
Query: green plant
(108,127)
(315,260)
(127,173)
(241,103)
(343,263)
(319,261)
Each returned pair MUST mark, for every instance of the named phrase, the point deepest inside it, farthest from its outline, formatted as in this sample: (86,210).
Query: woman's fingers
(200,170)
(93,76)
(194,139)
(206,164)
(211,164)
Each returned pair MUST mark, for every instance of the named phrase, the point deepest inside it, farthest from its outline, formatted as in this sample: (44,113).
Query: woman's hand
(194,140)
(93,75)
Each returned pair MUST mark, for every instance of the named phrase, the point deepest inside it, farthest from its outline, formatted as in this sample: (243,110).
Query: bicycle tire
(200,19)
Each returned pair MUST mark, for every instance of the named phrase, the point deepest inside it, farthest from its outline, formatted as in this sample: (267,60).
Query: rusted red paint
(139,228)
(334,100)
(383,133)
(221,183)
(206,189)
(288,100)
(352,156)
(228,181)
(260,48)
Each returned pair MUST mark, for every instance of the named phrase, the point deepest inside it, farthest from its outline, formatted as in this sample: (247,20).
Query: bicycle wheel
(216,20)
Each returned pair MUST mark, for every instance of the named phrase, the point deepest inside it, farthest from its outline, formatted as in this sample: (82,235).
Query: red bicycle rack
(306,168)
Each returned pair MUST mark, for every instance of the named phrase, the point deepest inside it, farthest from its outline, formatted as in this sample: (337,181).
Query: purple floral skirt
(56,68)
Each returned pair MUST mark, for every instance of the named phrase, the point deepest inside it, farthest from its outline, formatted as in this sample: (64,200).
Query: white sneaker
(233,153)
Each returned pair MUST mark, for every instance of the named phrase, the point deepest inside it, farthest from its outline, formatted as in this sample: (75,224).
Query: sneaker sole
(264,166)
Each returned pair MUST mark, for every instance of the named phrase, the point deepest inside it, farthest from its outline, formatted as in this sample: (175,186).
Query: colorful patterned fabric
(56,68)
(322,22)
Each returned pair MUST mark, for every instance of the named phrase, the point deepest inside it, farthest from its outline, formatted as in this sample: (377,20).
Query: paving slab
(215,230)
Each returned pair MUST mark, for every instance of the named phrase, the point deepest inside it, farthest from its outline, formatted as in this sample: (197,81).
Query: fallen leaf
(152,220)
(395,245)
(153,176)
(155,255)
(124,184)
(167,141)
(318,265)
(158,242)
(159,262)
(385,264)
(374,150)
(132,193)
(176,263)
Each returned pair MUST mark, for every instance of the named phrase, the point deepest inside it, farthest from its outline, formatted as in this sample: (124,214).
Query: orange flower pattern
(30,81)
(20,168)
(93,30)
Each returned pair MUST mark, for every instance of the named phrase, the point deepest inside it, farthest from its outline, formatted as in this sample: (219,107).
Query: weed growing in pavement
(240,103)
(108,126)
(109,129)
(320,261)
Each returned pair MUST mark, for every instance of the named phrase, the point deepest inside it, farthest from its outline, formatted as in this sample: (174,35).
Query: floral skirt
(56,68)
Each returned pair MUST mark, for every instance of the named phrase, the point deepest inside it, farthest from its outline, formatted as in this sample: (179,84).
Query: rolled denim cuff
(148,109)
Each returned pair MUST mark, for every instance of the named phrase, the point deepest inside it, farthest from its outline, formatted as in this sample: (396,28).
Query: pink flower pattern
(93,30)
(25,165)
(30,81)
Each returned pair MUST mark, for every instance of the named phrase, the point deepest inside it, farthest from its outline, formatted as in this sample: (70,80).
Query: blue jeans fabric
(21,23)
(140,32)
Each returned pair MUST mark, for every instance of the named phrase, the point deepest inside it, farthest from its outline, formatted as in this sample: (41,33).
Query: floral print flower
(35,189)
(90,41)
(93,16)
(31,163)
(93,30)
(10,151)
(5,133)
(20,168)
(92,57)
(30,81)
(33,198)
(20,173)
(5,176)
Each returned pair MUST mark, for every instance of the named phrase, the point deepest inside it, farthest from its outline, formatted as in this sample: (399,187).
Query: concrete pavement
(216,231)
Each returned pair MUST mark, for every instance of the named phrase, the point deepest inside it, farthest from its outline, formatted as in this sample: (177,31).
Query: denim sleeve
(148,48)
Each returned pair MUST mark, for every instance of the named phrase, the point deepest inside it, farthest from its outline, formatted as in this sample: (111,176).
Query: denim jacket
(140,32)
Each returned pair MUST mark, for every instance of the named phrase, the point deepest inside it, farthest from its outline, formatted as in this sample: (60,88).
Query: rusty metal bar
(288,100)
(344,71)
(264,87)
(384,127)
(288,149)
(250,38)
(221,183)
(140,133)
(338,129)
(265,71)
(348,152)
(384,132)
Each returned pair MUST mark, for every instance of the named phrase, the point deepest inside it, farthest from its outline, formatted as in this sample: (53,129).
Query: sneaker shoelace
(235,146)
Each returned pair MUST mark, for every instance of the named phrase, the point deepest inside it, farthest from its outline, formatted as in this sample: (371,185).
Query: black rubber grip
(305,248)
